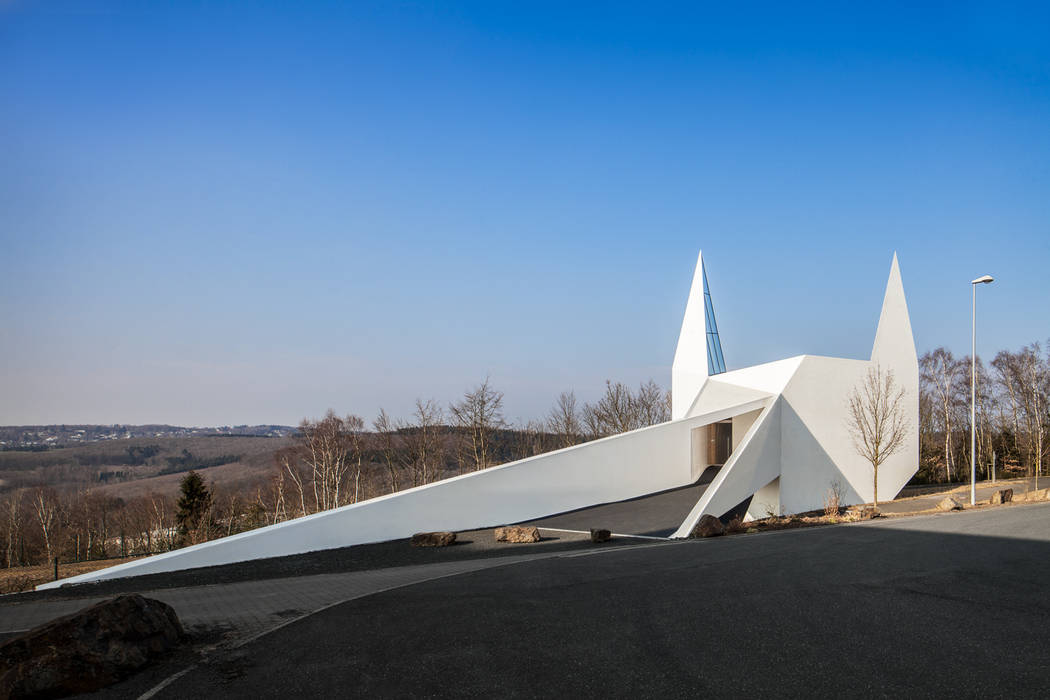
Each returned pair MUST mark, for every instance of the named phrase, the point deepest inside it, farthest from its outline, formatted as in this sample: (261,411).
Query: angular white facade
(778,430)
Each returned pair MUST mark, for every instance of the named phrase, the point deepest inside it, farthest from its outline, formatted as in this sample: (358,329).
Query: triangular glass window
(716,364)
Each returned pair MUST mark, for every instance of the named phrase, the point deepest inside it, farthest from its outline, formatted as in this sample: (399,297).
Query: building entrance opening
(719,442)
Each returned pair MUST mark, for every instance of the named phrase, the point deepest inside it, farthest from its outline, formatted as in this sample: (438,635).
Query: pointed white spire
(894,346)
(689,371)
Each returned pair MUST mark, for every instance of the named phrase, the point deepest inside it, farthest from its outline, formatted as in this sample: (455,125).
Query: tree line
(1012,413)
(339,460)
(332,461)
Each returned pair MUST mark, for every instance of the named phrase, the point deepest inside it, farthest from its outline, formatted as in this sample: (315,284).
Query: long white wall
(612,469)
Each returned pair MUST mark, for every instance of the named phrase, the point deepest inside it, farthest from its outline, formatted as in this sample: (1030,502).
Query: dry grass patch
(24,578)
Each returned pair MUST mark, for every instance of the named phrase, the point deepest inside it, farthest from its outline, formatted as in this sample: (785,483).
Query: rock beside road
(949,503)
(600,535)
(862,513)
(1002,496)
(709,526)
(518,534)
(88,650)
(1040,495)
(433,539)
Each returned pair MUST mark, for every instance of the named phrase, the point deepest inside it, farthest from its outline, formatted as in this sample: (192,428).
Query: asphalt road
(951,605)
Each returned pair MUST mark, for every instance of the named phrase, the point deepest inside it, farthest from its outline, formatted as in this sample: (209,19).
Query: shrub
(833,499)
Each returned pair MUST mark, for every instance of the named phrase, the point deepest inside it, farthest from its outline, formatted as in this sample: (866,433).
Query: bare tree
(480,412)
(620,410)
(986,405)
(162,520)
(331,449)
(14,522)
(273,502)
(386,437)
(617,410)
(652,405)
(1024,381)
(1033,383)
(877,420)
(287,461)
(425,446)
(355,430)
(942,372)
(564,419)
(45,507)
(1006,374)
(532,439)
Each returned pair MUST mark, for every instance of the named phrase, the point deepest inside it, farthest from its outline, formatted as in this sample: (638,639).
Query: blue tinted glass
(715,362)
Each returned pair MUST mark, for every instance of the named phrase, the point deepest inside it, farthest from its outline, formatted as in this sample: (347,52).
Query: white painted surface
(741,424)
(766,501)
(612,469)
(689,369)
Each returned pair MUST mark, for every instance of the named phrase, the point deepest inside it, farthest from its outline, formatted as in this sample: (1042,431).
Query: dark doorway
(719,442)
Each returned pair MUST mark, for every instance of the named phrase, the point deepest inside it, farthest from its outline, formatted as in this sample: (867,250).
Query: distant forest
(45,437)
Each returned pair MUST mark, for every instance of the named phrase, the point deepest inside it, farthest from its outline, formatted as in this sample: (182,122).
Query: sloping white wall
(817,449)
(612,469)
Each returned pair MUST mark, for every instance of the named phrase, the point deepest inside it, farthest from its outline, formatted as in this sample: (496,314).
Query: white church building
(777,433)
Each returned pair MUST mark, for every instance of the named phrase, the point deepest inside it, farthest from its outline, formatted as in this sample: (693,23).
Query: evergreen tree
(193,509)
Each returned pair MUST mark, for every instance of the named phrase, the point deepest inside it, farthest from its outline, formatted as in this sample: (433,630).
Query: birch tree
(479,413)
(1033,381)
(564,419)
(45,507)
(425,440)
(388,443)
(14,521)
(941,372)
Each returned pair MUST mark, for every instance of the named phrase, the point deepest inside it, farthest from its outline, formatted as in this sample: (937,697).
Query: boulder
(1002,496)
(600,535)
(949,503)
(1039,495)
(517,534)
(709,526)
(433,539)
(863,513)
(88,650)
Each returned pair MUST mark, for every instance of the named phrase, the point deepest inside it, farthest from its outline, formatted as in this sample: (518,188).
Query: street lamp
(973,391)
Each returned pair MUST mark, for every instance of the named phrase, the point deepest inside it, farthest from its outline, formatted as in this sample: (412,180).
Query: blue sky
(222,213)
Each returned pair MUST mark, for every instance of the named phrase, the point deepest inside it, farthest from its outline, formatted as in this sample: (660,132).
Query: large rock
(517,534)
(600,535)
(89,649)
(1002,496)
(709,526)
(863,512)
(1039,495)
(433,539)
(949,503)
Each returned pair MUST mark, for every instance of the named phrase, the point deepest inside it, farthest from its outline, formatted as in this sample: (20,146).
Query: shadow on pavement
(944,606)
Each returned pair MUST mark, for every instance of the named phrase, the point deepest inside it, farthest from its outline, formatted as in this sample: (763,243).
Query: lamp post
(973,391)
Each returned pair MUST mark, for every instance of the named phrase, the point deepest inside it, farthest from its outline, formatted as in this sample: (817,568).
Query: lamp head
(983,280)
